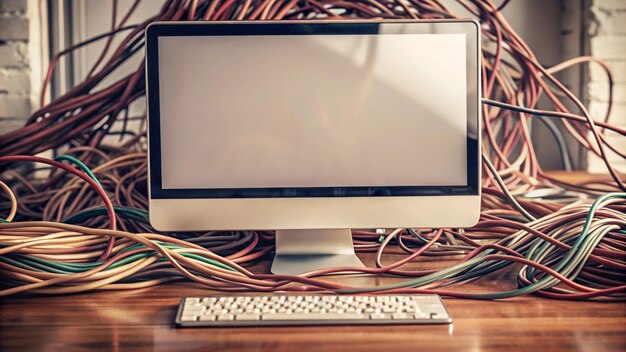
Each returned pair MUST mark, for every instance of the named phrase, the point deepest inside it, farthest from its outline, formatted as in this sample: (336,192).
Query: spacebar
(315,316)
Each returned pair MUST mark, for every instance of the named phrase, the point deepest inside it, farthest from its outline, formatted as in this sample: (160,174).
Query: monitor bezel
(231,28)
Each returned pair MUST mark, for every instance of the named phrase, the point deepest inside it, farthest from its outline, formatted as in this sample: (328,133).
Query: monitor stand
(300,251)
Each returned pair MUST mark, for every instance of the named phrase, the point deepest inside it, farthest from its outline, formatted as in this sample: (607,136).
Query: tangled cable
(83,226)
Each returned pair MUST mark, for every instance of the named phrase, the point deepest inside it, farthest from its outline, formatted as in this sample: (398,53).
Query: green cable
(80,165)
(188,255)
(546,281)
(136,214)
(583,238)
(565,266)
(31,266)
(129,213)
(34,263)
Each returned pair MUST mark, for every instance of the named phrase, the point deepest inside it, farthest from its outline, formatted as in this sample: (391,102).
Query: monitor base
(300,251)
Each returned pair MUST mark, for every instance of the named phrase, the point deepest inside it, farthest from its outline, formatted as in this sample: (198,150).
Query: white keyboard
(311,310)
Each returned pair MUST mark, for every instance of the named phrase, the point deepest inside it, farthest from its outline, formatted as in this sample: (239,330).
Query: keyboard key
(422,315)
(248,317)
(378,316)
(401,316)
(314,316)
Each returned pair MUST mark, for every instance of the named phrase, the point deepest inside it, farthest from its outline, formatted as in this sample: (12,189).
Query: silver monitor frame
(297,248)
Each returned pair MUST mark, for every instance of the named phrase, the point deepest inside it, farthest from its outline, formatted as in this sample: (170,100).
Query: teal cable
(128,213)
(449,272)
(38,264)
(80,165)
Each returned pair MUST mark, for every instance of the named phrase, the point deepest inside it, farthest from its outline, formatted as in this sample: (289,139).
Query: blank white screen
(313,111)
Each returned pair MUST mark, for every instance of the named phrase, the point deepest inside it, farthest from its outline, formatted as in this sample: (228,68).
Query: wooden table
(143,320)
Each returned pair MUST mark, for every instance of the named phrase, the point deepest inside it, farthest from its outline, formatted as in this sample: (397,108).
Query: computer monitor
(313,128)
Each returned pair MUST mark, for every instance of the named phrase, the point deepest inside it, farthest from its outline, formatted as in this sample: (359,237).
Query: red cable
(86,178)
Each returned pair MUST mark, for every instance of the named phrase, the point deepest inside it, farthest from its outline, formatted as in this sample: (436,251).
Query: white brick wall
(15,79)
(608,42)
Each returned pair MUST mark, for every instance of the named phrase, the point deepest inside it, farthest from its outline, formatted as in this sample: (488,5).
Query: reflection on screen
(313,111)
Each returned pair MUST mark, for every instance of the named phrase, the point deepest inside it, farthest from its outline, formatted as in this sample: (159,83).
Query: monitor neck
(300,251)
